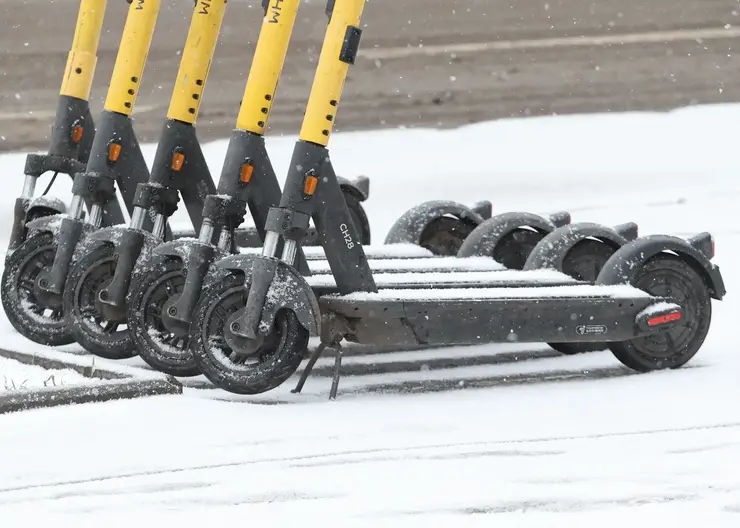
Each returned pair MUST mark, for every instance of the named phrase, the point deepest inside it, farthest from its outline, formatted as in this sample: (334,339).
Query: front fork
(311,191)
(101,189)
(127,250)
(218,210)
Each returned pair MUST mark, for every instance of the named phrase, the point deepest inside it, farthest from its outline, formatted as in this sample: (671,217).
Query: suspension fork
(311,188)
(73,128)
(247,177)
(179,164)
(115,147)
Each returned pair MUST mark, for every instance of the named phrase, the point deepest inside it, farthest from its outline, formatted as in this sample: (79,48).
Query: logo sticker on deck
(590,329)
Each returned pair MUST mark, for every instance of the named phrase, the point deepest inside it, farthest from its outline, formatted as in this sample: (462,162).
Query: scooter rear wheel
(97,333)
(514,248)
(270,366)
(668,275)
(444,236)
(160,348)
(39,322)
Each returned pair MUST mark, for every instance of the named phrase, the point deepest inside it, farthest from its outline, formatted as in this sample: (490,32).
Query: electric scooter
(651,300)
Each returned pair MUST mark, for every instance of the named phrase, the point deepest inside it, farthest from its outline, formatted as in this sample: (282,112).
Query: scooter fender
(45,206)
(112,236)
(181,249)
(485,237)
(288,289)
(551,251)
(359,187)
(52,224)
(410,225)
(623,265)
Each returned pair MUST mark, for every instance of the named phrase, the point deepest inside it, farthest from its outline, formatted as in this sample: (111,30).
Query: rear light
(663,319)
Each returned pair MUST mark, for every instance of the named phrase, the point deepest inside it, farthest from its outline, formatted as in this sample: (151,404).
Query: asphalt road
(422,62)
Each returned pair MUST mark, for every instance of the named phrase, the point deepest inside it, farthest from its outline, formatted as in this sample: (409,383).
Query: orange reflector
(178,159)
(663,319)
(114,151)
(246,173)
(309,187)
(77,133)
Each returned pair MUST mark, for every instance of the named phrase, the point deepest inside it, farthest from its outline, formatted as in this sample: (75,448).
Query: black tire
(157,346)
(669,275)
(443,236)
(90,328)
(584,262)
(33,320)
(513,250)
(359,217)
(279,361)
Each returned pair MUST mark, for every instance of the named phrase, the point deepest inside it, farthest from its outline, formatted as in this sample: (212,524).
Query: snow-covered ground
(16,377)
(594,447)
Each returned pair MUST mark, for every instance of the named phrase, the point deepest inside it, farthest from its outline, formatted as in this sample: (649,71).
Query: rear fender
(624,265)
(359,187)
(410,225)
(551,251)
(484,238)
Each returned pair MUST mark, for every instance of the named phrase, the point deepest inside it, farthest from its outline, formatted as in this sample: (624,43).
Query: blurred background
(431,63)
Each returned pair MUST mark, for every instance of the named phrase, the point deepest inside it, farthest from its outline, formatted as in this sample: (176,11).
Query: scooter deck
(390,251)
(325,284)
(418,265)
(468,316)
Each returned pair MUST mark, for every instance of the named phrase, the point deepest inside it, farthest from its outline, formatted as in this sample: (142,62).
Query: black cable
(48,187)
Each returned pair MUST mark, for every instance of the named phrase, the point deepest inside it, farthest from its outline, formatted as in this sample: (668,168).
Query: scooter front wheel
(36,315)
(160,348)
(270,365)
(98,329)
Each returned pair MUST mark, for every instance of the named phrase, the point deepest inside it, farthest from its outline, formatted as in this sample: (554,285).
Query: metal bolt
(172,310)
(235,327)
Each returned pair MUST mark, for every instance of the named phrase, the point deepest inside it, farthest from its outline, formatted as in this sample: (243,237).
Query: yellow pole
(331,73)
(132,54)
(267,64)
(82,58)
(196,60)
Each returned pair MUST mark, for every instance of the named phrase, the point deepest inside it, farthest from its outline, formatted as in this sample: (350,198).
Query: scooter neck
(337,53)
(132,55)
(83,58)
(197,56)
(267,64)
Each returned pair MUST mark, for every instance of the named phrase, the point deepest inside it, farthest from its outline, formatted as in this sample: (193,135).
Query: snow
(386,280)
(420,264)
(16,377)
(539,292)
(552,441)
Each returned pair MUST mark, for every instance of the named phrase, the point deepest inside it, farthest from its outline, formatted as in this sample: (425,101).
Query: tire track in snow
(350,455)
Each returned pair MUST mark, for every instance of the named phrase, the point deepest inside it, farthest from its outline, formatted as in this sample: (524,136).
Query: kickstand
(335,345)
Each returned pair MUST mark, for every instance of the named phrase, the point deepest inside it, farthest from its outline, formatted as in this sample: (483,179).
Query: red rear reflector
(712,239)
(663,319)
